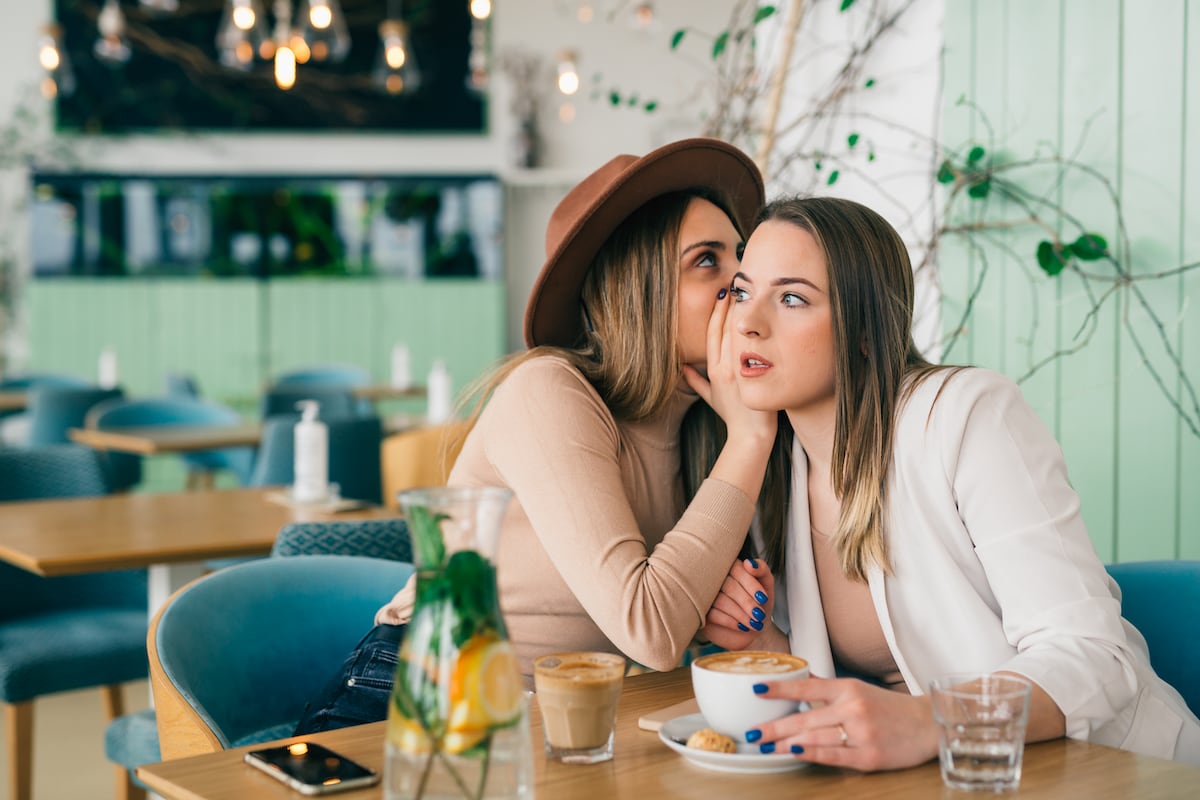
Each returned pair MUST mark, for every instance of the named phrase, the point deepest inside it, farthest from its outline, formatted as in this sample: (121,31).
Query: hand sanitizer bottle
(311,465)
(106,369)
(439,394)
(401,378)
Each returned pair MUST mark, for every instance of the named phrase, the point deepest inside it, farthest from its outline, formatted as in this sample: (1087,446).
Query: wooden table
(171,533)
(384,391)
(156,440)
(646,769)
(13,401)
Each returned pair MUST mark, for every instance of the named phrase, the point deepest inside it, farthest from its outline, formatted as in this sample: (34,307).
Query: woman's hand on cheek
(721,390)
(882,729)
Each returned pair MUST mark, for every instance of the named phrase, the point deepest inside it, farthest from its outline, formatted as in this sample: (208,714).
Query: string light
(323,29)
(111,45)
(285,57)
(242,34)
(59,78)
(481,9)
(568,74)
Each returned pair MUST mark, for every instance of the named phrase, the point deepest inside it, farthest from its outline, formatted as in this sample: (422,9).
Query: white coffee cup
(723,684)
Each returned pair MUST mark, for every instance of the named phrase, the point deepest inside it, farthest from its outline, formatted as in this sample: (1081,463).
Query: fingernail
(758,626)
(753,563)
(797,749)
(759,688)
(743,628)
(754,735)
(758,614)
(760,597)
(721,294)
(769,747)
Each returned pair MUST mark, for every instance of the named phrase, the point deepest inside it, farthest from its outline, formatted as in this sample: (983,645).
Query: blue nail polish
(753,563)
(769,747)
(758,614)
(759,688)
(754,735)
(721,294)
(797,749)
(760,597)
(758,626)
(743,628)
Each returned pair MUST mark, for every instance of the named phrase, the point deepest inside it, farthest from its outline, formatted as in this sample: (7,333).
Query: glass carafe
(458,723)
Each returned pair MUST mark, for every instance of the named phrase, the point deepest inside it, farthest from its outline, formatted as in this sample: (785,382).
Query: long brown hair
(876,362)
(629,345)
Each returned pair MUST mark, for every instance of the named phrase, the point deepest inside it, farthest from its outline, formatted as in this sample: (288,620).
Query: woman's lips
(754,365)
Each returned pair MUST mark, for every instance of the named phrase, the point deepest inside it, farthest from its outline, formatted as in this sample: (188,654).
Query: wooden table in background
(646,769)
(13,401)
(171,533)
(156,440)
(383,391)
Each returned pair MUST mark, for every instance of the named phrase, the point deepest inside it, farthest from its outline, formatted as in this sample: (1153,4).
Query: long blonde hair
(876,362)
(629,345)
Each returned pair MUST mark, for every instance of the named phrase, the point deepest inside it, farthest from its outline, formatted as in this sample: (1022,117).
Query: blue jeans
(360,692)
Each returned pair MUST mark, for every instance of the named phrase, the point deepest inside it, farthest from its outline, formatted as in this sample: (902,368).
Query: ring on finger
(842,733)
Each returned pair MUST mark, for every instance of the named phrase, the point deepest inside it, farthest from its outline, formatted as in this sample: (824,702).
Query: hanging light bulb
(161,6)
(242,34)
(396,69)
(643,16)
(111,46)
(59,78)
(323,29)
(285,57)
(477,58)
(481,9)
(568,73)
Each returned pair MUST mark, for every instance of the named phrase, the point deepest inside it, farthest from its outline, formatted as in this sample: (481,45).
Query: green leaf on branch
(614,98)
(817,165)
(871,156)
(976,155)
(651,105)
(870,82)
(846,4)
(833,176)
(981,189)
(762,13)
(852,139)
(719,44)
(1050,258)
(632,101)
(945,173)
(1089,247)
(677,38)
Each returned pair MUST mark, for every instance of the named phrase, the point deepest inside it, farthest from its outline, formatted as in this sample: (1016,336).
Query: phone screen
(311,768)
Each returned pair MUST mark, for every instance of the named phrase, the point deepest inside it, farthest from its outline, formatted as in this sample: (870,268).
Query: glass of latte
(577,694)
(723,683)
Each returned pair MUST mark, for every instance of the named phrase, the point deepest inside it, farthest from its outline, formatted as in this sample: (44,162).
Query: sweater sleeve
(556,445)
(1056,600)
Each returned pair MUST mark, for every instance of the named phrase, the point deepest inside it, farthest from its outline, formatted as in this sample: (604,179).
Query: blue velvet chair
(15,428)
(126,468)
(1162,600)
(236,655)
(181,385)
(326,375)
(54,410)
(354,460)
(132,740)
(64,633)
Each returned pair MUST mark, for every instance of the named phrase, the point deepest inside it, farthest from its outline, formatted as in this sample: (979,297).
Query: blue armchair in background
(1162,600)
(64,633)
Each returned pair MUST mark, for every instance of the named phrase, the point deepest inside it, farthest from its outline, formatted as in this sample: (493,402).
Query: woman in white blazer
(931,496)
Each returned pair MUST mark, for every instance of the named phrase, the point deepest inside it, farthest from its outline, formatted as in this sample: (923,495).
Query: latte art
(751,663)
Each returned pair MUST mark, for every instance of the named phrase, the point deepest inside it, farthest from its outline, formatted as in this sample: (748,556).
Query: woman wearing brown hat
(630,505)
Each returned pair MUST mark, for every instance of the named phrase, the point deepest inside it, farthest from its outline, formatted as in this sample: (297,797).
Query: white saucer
(747,759)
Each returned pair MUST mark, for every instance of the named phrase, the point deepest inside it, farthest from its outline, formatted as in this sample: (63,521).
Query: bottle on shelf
(310,483)
(439,389)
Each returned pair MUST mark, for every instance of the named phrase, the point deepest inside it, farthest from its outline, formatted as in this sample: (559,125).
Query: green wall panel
(1116,89)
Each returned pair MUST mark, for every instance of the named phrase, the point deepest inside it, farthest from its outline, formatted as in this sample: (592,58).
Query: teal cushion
(132,740)
(59,651)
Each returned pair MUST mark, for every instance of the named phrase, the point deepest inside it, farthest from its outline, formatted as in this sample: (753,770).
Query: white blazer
(993,570)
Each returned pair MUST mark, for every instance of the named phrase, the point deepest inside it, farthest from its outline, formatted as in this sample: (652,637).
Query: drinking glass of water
(981,729)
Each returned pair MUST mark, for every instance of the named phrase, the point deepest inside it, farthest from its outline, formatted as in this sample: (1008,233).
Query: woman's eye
(707,259)
(790,299)
(741,248)
(739,294)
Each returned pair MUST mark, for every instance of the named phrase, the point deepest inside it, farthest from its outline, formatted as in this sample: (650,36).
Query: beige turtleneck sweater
(597,551)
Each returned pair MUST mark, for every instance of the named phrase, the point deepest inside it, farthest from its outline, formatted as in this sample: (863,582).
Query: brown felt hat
(597,206)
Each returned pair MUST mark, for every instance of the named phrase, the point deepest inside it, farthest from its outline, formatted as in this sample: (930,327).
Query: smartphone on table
(311,769)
